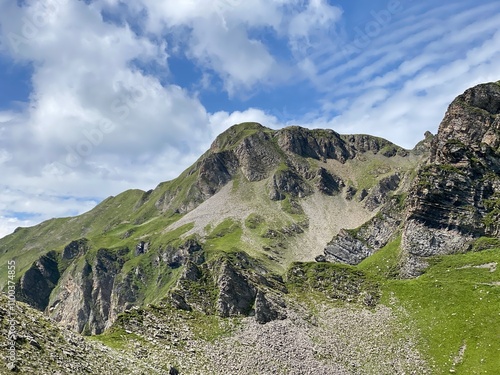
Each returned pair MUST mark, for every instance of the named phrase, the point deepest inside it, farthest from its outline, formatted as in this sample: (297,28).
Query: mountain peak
(471,122)
(230,138)
(455,198)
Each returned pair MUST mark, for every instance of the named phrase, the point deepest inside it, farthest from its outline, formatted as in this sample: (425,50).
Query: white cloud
(216,35)
(240,62)
(5,156)
(219,34)
(221,121)
(86,93)
(317,15)
(96,124)
(420,104)
(9,224)
(399,85)
(35,205)
(94,120)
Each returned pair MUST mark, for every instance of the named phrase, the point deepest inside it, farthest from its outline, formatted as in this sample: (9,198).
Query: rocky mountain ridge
(455,197)
(452,202)
(236,235)
(103,270)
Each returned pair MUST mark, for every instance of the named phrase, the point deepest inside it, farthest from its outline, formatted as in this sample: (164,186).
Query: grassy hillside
(450,314)
(454,306)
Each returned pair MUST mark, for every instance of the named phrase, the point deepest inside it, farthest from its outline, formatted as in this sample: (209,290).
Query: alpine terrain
(290,251)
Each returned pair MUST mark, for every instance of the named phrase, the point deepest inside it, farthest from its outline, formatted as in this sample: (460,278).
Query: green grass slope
(455,306)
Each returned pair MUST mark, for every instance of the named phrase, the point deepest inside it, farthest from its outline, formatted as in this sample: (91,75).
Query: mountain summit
(283,229)
(278,196)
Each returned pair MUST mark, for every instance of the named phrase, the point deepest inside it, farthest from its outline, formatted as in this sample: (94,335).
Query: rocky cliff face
(37,283)
(87,295)
(89,292)
(259,153)
(455,197)
(352,246)
(87,282)
(221,243)
(233,285)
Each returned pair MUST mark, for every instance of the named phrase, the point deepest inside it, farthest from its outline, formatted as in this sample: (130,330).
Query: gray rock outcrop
(455,197)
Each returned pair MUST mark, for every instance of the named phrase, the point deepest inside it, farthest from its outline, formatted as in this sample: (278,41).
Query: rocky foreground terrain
(289,251)
(152,341)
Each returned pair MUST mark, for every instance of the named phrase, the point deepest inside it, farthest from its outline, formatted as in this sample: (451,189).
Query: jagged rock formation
(337,283)
(352,246)
(87,293)
(257,152)
(44,348)
(38,282)
(455,197)
(233,285)
(91,293)
(113,257)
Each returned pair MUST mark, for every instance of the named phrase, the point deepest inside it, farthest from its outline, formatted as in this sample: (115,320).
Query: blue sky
(97,97)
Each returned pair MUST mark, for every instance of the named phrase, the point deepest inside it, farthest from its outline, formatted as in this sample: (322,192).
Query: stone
(268,308)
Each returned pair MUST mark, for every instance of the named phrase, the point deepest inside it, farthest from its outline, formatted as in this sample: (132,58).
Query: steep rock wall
(455,197)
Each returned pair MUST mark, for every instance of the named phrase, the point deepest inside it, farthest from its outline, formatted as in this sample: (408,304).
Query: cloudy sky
(99,96)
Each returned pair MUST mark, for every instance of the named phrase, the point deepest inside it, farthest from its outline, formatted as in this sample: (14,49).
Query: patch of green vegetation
(490,177)
(108,225)
(455,305)
(355,232)
(208,228)
(400,200)
(224,228)
(324,133)
(151,283)
(384,262)
(486,243)
(390,150)
(173,238)
(235,134)
(116,338)
(368,171)
(455,142)
(166,280)
(212,327)
(492,217)
(224,237)
(292,207)
(254,221)
(431,172)
(335,281)
(450,168)
(282,167)
(237,182)
(183,188)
